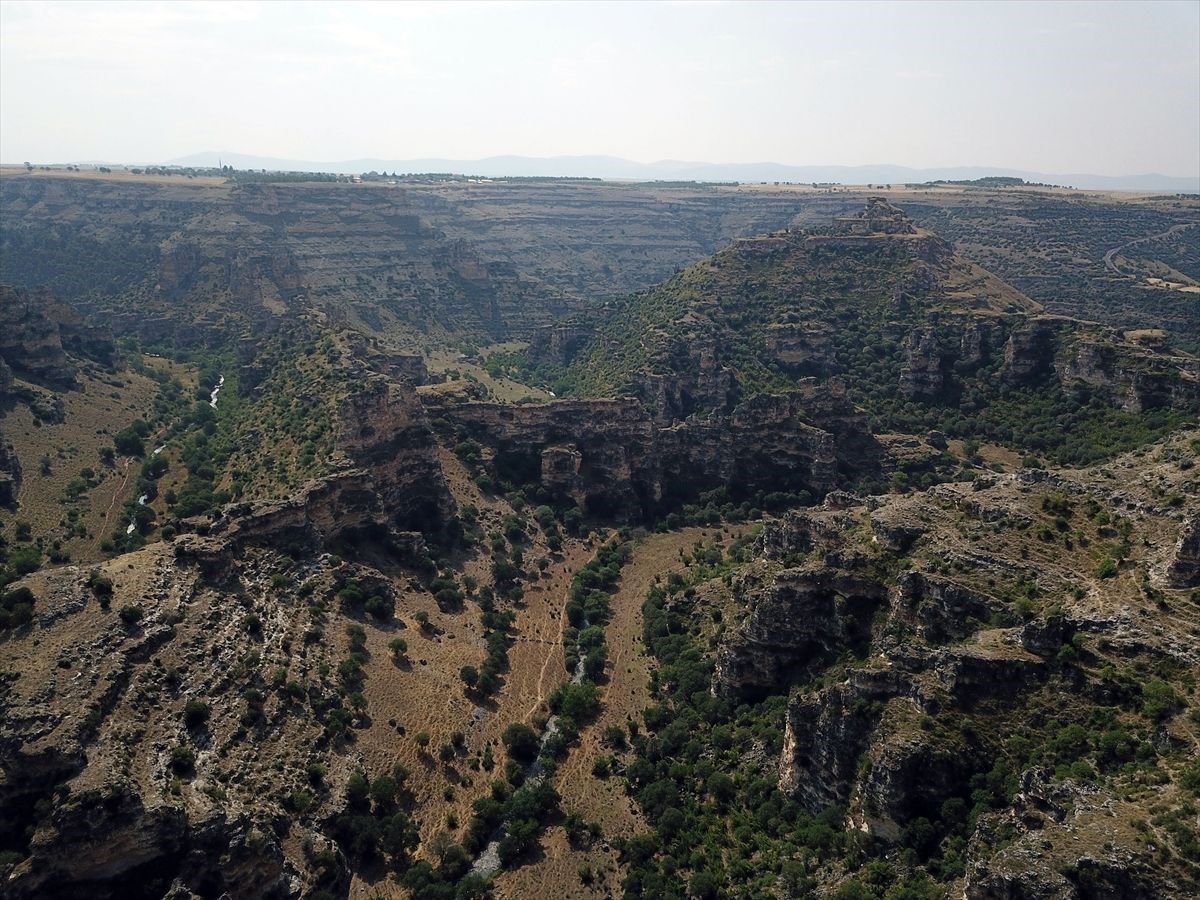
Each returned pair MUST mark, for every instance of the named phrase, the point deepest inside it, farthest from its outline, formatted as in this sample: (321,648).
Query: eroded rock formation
(37,332)
(614,456)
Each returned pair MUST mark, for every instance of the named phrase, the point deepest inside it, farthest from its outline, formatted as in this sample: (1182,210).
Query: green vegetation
(376,823)
(721,824)
(730,302)
(74,264)
(16,608)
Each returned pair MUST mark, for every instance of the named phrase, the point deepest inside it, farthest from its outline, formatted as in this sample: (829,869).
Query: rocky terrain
(1133,271)
(846,568)
(430,262)
(983,636)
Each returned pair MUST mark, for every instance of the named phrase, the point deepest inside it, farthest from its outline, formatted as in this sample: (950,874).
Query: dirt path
(626,694)
(551,653)
(1110,256)
(111,503)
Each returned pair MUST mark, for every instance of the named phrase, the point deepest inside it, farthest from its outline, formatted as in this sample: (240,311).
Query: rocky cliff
(795,619)
(618,457)
(958,605)
(42,338)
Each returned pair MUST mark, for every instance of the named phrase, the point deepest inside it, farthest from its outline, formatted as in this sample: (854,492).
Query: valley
(848,537)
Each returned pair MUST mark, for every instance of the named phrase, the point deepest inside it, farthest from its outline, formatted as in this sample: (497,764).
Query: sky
(1106,88)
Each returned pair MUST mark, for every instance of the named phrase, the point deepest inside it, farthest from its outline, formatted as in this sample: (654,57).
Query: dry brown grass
(101,407)
(555,870)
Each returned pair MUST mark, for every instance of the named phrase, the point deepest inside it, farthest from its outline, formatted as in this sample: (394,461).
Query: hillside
(922,337)
(183,260)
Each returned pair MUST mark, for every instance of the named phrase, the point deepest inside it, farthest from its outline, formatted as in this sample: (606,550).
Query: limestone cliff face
(1030,349)
(793,618)
(112,844)
(939,359)
(1064,840)
(558,343)
(943,610)
(387,478)
(30,341)
(922,375)
(384,430)
(41,338)
(803,349)
(1139,379)
(827,732)
(902,779)
(696,381)
(615,456)
(1074,353)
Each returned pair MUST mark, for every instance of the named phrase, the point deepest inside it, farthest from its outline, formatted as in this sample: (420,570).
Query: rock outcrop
(42,338)
(794,618)
(944,611)
(1183,571)
(1137,378)
(616,457)
(922,375)
(383,429)
(1061,841)
(558,343)
(10,473)
(826,733)
(108,844)
(803,349)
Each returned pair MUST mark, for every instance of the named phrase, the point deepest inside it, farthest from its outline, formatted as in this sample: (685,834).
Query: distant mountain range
(614,167)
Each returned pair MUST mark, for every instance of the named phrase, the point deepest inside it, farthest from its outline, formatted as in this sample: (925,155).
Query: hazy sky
(1108,88)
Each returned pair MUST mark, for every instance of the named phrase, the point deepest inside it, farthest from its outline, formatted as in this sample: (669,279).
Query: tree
(469,675)
(383,791)
(358,789)
(520,741)
(519,838)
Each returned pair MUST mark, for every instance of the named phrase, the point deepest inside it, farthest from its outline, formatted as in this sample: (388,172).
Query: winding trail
(1110,256)
(111,503)
(562,627)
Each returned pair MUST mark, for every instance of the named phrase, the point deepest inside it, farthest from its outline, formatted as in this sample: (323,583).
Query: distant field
(115,175)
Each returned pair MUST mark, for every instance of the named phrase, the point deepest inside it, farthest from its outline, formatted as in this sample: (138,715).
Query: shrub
(131,614)
(358,789)
(1189,779)
(183,760)
(614,736)
(379,608)
(24,560)
(16,608)
(100,584)
(195,713)
(1159,700)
